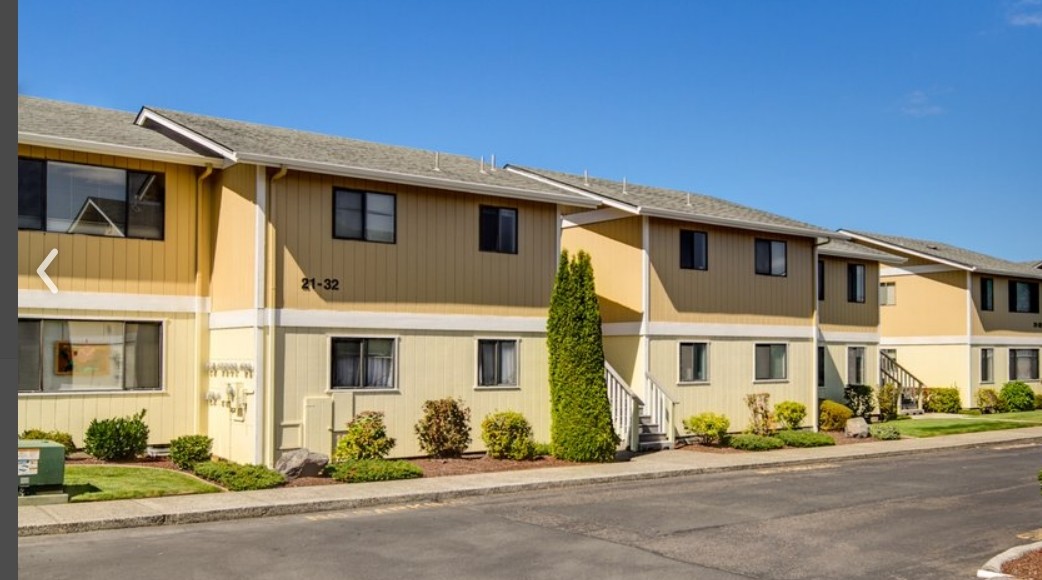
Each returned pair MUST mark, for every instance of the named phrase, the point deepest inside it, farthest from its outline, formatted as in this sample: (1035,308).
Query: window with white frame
(497,363)
(362,363)
(1023,296)
(694,362)
(855,365)
(1023,364)
(987,365)
(856,283)
(771,258)
(771,361)
(364,215)
(89,355)
(887,294)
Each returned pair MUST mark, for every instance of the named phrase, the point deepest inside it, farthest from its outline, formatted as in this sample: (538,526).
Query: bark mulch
(455,466)
(1026,567)
(837,436)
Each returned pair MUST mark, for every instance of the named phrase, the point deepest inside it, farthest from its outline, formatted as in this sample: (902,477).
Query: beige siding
(169,413)
(623,353)
(837,368)
(435,265)
(1000,372)
(232,194)
(926,305)
(100,264)
(731,377)
(730,291)
(615,251)
(1000,321)
(230,425)
(836,313)
(944,365)
(430,365)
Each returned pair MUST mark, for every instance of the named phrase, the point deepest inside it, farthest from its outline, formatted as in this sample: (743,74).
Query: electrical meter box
(41,466)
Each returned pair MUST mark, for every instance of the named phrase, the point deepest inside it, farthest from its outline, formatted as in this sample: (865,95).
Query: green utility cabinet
(41,466)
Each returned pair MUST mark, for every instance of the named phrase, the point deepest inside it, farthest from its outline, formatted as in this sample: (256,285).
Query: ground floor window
(497,363)
(89,355)
(694,362)
(771,361)
(856,365)
(987,365)
(362,363)
(821,366)
(1023,364)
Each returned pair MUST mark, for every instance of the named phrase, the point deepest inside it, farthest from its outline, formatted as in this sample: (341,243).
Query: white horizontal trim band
(1007,341)
(65,300)
(923,340)
(620,328)
(860,337)
(913,270)
(730,330)
(377,320)
(234,319)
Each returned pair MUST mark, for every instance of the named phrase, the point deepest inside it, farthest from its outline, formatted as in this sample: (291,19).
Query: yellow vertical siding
(931,304)
(623,354)
(836,313)
(232,235)
(942,365)
(1000,321)
(836,368)
(616,255)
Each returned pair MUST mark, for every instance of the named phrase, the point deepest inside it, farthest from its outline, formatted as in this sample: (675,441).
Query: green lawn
(105,482)
(969,424)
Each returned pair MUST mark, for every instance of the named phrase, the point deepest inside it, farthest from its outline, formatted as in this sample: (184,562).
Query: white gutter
(37,140)
(645,318)
(269,316)
(200,315)
(146,115)
(969,338)
(905,250)
(259,364)
(739,224)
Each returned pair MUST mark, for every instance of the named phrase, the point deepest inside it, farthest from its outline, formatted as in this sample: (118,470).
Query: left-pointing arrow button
(42,271)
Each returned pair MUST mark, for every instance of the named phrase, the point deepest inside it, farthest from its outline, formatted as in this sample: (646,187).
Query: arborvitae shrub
(760,418)
(887,396)
(987,400)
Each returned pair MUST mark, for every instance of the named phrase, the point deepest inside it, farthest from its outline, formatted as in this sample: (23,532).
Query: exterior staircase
(641,425)
(910,388)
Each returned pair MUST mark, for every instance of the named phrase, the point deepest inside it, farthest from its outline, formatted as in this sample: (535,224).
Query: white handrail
(625,408)
(660,407)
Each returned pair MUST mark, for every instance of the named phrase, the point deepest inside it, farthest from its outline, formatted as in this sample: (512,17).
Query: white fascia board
(147,114)
(905,250)
(408,179)
(916,270)
(601,200)
(737,224)
(37,140)
(826,251)
(596,216)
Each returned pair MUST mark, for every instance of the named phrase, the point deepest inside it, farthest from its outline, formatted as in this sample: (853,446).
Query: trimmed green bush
(884,431)
(1038,401)
(543,450)
(804,438)
(508,435)
(363,470)
(761,420)
(753,442)
(859,399)
(581,426)
(366,438)
(60,437)
(942,400)
(887,396)
(987,400)
(444,429)
(238,476)
(790,414)
(1016,396)
(188,450)
(117,439)
(833,416)
(708,427)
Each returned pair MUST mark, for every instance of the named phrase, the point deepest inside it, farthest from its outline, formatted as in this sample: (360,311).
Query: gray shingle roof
(250,140)
(836,247)
(968,258)
(50,118)
(680,204)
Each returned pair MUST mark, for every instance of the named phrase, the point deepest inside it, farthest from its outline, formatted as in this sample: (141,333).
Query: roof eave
(824,250)
(916,253)
(145,115)
(39,140)
(740,224)
(599,199)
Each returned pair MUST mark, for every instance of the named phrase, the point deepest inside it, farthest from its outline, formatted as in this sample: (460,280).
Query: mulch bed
(1026,567)
(837,436)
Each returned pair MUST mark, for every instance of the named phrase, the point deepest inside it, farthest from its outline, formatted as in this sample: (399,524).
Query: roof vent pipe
(481,167)
(623,186)
(437,161)
(586,178)
(689,200)
(492,164)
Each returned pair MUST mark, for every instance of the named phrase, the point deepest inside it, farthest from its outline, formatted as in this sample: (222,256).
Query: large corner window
(771,258)
(72,198)
(856,283)
(498,227)
(1023,364)
(364,215)
(987,294)
(497,363)
(1023,296)
(856,365)
(771,362)
(694,250)
(694,362)
(362,363)
(89,355)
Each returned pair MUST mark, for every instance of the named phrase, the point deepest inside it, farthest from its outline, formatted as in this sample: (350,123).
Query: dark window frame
(689,247)
(821,280)
(1013,356)
(822,353)
(364,193)
(1032,307)
(987,365)
(768,244)
(987,294)
(857,292)
(496,248)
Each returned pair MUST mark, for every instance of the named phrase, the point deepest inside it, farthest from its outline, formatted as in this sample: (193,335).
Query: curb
(304,506)
(993,567)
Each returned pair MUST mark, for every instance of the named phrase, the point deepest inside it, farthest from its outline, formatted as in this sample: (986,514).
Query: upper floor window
(887,293)
(85,199)
(770,257)
(364,215)
(821,279)
(1023,296)
(498,227)
(855,282)
(362,363)
(987,294)
(694,250)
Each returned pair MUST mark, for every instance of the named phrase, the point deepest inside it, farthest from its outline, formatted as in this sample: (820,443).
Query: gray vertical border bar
(9,252)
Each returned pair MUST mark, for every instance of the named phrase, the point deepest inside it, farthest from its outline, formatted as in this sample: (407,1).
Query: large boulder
(301,463)
(856,427)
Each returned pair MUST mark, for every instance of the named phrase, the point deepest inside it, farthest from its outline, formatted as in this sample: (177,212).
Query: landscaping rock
(856,427)
(301,463)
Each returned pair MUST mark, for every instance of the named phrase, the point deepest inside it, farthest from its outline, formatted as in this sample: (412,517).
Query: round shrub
(366,438)
(752,442)
(117,439)
(790,413)
(188,450)
(804,438)
(1016,396)
(60,437)
(363,470)
(884,431)
(859,399)
(508,435)
(887,396)
(943,400)
(444,429)
(987,400)
(833,416)
(708,427)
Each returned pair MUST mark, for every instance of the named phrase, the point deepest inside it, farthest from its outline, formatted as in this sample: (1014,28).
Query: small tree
(887,400)
(581,426)
(761,418)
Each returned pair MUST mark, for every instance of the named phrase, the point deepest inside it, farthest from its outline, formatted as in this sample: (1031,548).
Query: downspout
(201,307)
(260,235)
(969,338)
(271,249)
(645,318)
(814,405)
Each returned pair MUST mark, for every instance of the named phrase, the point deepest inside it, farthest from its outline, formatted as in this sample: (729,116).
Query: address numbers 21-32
(324,284)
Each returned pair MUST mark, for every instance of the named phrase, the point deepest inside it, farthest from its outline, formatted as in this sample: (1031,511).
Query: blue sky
(920,118)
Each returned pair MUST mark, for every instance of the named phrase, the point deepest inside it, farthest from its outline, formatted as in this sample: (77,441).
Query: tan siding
(97,264)
(616,255)
(623,354)
(232,432)
(838,314)
(938,365)
(232,235)
(1000,321)
(430,366)
(730,291)
(836,368)
(435,265)
(926,305)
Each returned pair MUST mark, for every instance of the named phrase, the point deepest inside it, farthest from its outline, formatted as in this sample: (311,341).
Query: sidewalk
(67,518)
